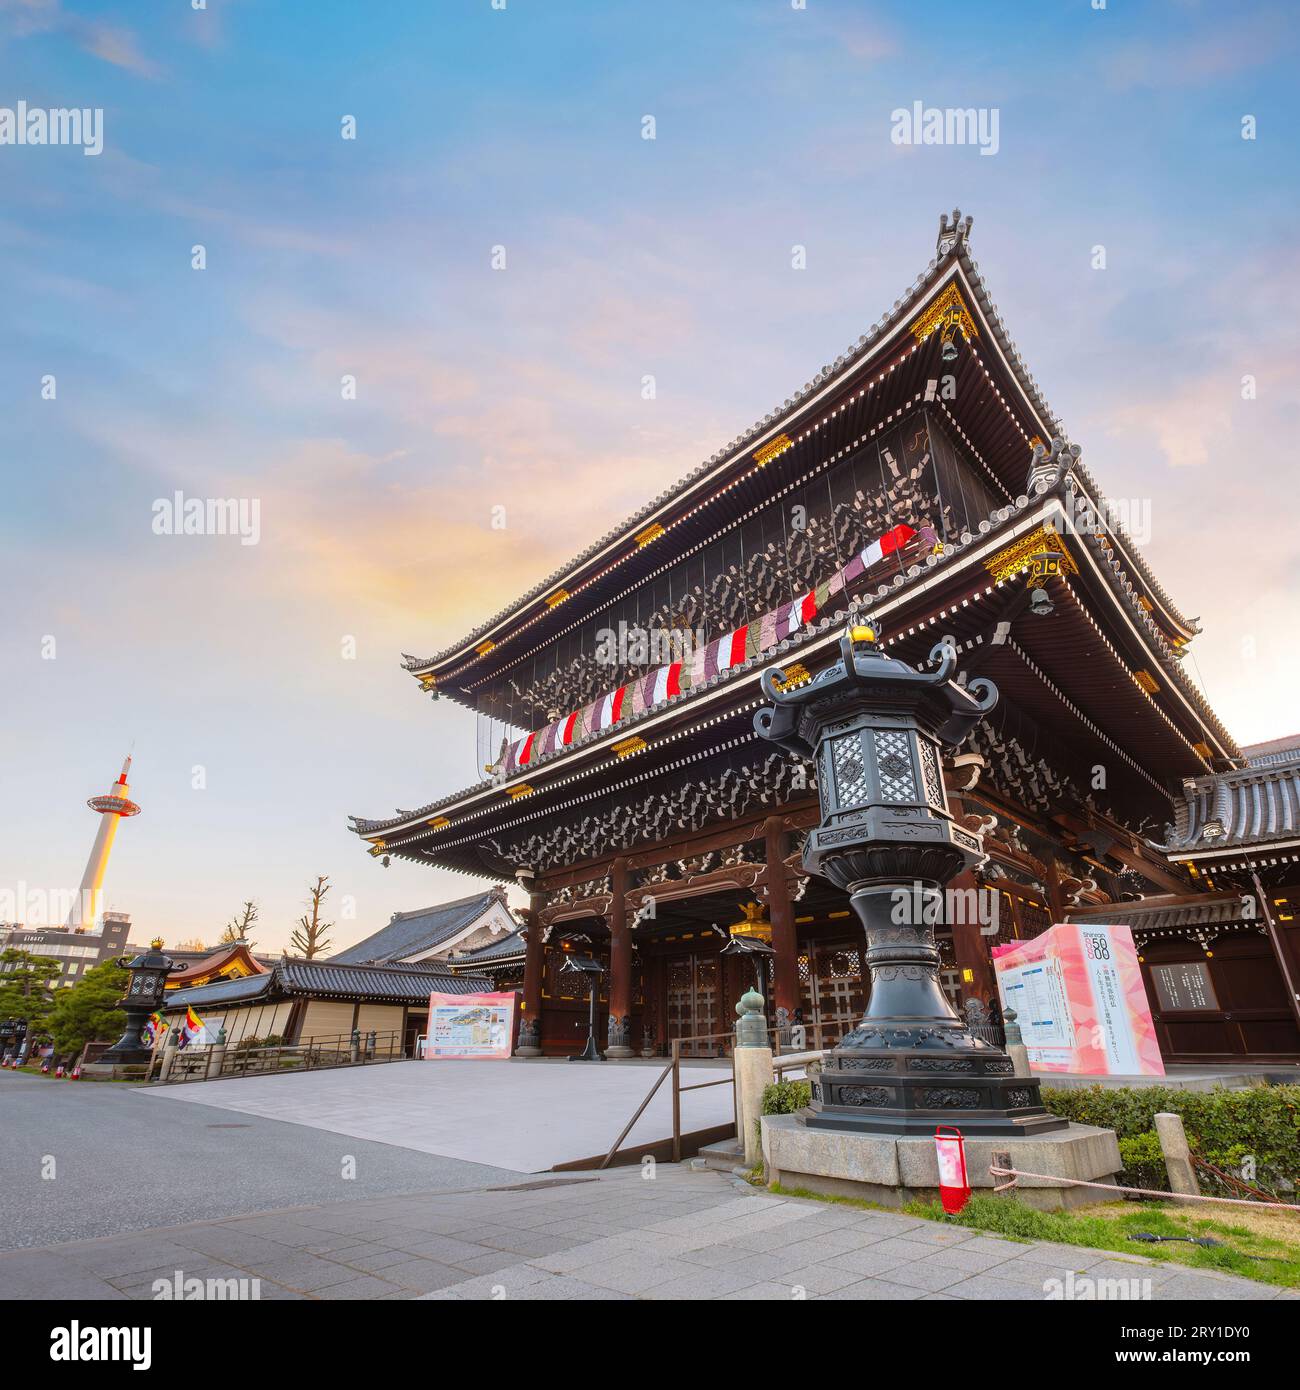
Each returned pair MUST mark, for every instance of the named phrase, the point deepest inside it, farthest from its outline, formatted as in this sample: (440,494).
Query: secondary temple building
(923,479)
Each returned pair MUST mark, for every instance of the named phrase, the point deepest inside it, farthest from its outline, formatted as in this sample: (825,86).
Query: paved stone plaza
(525,1116)
(681,1235)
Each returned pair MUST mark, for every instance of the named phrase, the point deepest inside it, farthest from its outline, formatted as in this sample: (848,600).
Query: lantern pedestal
(893,1170)
(144,995)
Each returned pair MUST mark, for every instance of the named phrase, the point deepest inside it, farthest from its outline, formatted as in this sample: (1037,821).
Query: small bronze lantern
(144,995)
(875,728)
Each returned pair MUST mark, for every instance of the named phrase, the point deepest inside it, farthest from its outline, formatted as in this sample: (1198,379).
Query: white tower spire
(111,807)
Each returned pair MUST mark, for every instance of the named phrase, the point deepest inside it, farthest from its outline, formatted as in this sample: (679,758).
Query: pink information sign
(471,1025)
(1080,1003)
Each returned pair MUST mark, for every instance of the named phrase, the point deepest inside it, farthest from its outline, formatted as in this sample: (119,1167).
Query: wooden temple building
(923,479)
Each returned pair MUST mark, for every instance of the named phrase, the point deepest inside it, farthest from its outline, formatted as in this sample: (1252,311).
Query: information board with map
(471,1025)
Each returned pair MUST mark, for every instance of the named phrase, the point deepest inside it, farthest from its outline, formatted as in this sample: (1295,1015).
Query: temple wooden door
(833,991)
(694,1008)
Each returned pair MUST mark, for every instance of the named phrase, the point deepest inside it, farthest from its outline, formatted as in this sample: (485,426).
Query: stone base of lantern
(893,1170)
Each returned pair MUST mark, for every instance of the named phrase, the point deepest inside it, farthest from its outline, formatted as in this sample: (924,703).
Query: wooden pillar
(971,949)
(620,963)
(785,941)
(530,1041)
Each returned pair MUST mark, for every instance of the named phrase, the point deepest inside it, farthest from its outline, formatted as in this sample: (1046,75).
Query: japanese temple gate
(921,478)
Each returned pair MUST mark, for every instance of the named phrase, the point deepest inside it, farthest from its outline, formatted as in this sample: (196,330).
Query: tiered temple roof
(1106,661)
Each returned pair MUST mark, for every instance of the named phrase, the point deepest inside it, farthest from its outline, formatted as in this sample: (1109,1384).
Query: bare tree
(310,936)
(236,933)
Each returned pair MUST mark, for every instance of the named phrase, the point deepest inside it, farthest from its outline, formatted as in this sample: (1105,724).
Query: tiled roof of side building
(402,984)
(1272,752)
(420,930)
(1254,806)
(237,991)
(506,948)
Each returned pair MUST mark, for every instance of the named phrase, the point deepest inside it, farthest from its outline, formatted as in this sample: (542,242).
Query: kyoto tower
(111,807)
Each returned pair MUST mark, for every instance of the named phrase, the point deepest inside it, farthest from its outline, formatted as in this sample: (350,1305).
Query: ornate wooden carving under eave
(1075,892)
(580,907)
(961,771)
(735,878)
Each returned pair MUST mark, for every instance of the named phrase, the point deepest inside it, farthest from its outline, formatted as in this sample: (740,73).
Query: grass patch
(1270,1236)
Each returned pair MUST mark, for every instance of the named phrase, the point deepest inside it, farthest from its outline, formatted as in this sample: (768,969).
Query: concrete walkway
(680,1234)
(524,1116)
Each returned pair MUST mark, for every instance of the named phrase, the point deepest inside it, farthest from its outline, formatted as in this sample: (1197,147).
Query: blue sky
(522,127)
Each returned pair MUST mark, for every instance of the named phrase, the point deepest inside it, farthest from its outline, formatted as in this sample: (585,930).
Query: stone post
(530,1021)
(620,964)
(752,1061)
(1016,1048)
(169,1051)
(216,1055)
(1178,1154)
(354,1049)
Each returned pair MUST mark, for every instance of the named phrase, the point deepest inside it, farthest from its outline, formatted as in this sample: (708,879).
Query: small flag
(191,1029)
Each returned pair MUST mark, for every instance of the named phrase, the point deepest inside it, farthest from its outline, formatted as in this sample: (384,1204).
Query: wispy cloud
(111,43)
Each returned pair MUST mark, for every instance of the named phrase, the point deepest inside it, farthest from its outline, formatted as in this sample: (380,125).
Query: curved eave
(797,415)
(939,575)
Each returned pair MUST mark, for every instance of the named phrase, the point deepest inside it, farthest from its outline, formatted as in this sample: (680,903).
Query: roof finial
(953,234)
(1048,464)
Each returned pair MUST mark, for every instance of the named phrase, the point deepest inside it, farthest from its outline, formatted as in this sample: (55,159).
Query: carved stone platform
(893,1170)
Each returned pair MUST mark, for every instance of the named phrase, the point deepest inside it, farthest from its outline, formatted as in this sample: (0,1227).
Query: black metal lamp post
(875,727)
(144,995)
(593,970)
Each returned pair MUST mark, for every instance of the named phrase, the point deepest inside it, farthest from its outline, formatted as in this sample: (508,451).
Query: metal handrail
(370,1046)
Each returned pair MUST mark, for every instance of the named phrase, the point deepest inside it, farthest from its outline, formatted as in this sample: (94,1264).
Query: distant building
(438,935)
(78,951)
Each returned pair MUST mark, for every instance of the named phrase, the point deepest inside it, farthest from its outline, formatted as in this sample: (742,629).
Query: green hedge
(786,1097)
(1229,1129)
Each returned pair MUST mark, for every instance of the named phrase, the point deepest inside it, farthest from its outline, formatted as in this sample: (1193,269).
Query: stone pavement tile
(568,1290)
(373,1260)
(579,1256)
(196,1269)
(866,1262)
(634,1272)
(817,1248)
(510,1279)
(822,1279)
(932,1233)
(894,1248)
(285,1233)
(996,1245)
(990,1288)
(303,1273)
(363,1286)
(963,1260)
(1118,1267)
(704,1284)
(876,1224)
(580,1228)
(41,1274)
(717,1256)
(1059,1256)
(1194,1285)
(447,1250)
(527,1243)
(485,1264)
(875,1290)
(424,1275)
(126,1254)
(927,1275)
(234,1246)
(762,1293)
(1021,1271)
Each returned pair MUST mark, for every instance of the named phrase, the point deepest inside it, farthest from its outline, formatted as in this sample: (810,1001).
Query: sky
(259,685)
